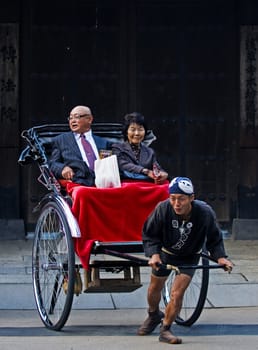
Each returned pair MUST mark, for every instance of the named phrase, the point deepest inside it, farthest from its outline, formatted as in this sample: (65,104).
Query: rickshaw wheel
(53,266)
(194,297)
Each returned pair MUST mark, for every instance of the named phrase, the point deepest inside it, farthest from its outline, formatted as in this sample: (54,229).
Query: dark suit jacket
(65,151)
(127,160)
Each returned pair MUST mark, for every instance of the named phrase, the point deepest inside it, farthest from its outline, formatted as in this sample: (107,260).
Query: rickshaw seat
(112,214)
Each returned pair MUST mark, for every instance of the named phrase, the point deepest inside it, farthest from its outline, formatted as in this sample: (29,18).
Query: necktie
(88,151)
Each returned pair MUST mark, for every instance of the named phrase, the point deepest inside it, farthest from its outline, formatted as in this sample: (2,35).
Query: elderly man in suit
(74,152)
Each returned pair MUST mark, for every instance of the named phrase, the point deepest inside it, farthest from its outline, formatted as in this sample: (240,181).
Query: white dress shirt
(89,137)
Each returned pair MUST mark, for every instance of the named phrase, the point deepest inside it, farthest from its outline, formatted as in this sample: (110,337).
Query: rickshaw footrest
(96,281)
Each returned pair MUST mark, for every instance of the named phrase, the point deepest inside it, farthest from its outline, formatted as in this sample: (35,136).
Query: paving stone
(240,288)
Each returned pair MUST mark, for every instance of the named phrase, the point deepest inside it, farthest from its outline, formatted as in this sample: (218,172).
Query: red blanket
(112,214)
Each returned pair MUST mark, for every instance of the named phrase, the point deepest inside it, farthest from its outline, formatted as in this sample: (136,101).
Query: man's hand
(67,173)
(154,261)
(228,265)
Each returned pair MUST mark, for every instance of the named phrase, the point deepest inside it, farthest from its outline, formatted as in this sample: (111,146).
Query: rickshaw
(59,250)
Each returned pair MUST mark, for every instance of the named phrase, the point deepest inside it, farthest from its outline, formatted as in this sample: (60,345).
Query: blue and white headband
(181,185)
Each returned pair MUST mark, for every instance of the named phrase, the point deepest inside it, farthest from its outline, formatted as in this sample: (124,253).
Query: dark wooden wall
(177,62)
(11,224)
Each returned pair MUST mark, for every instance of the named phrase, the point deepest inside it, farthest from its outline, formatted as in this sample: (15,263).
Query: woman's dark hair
(134,117)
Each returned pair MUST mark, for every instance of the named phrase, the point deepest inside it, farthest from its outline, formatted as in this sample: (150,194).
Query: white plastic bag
(107,172)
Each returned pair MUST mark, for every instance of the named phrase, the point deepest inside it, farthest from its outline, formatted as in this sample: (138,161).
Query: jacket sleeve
(56,163)
(125,159)
(215,243)
(152,232)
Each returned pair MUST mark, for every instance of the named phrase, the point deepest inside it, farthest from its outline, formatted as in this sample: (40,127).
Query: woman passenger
(135,159)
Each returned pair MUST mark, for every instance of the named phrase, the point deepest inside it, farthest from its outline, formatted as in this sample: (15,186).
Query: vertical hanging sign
(9,70)
(249,85)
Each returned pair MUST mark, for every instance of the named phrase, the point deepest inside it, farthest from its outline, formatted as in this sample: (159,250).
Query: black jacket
(163,228)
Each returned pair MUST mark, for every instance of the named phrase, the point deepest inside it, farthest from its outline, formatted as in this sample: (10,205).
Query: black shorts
(177,260)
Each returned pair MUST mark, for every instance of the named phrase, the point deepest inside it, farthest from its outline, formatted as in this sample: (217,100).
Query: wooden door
(174,61)
(186,57)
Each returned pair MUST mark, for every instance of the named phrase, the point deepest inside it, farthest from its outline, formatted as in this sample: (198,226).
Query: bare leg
(154,292)
(173,308)
(155,316)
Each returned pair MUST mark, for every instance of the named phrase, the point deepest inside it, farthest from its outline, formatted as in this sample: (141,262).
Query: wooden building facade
(189,66)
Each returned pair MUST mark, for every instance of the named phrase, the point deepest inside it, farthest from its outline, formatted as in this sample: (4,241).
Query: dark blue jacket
(65,152)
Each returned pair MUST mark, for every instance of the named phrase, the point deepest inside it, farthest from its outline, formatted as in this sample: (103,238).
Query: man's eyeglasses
(78,116)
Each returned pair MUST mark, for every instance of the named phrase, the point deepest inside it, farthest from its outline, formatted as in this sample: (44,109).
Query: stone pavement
(238,289)
(216,329)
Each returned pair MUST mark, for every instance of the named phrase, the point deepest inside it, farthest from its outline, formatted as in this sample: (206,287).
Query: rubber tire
(53,261)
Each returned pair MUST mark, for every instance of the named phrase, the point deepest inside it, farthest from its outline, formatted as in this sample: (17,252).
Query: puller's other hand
(228,265)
